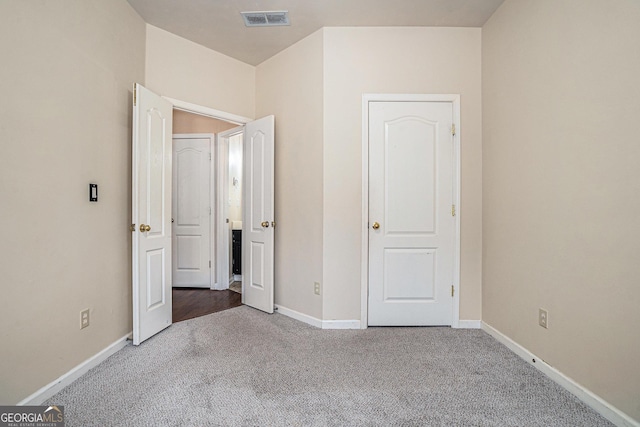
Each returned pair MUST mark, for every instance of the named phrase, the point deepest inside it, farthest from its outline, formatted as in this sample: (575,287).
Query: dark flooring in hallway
(195,302)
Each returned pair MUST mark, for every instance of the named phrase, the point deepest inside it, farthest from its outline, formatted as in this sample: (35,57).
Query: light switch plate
(93,192)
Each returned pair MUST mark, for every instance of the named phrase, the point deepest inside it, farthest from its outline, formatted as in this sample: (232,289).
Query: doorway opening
(207,175)
(151,173)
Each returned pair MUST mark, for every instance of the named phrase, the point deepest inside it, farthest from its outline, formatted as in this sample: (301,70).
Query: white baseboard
(301,317)
(469,324)
(594,401)
(318,323)
(340,324)
(55,386)
(237,277)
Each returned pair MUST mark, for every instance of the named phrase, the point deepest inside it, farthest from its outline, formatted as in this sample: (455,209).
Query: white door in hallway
(258,220)
(411,227)
(151,214)
(191,216)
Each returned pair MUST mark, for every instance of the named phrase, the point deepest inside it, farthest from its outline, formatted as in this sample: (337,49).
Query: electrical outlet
(543,318)
(84,319)
(316,288)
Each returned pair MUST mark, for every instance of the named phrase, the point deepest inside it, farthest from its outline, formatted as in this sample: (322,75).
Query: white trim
(469,324)
(301,317)
(341,324)
(206,111)
(364,244)
(55,386)
(237,277)
(591,399)
(313,321)
(135,237)
(222,206)
(454,99)
(213,233)
(222,261)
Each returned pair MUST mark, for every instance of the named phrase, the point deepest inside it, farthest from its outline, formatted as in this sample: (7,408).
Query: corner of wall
(289,85)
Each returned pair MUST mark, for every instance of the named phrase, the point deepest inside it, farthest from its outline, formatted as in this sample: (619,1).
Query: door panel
(410,197)
(155,269)
(258,215)
(257,265)
(409,274)
(410,176)
(256,159)
(151,207)
(191,211)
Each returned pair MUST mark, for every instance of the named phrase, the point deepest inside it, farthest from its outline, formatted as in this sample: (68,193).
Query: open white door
(151,213)
(258,214)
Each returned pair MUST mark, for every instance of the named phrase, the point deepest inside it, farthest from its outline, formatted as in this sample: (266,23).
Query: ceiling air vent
(266,19)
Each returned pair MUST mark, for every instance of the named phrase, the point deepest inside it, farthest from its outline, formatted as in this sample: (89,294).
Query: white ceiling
(218,25)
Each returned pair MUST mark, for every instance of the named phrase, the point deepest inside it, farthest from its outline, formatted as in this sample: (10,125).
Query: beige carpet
(242,367)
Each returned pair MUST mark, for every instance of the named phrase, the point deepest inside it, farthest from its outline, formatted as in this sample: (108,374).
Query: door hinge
(209,263)
(453,129)
(453,210)
(452,290)
(209,156)
(135,97)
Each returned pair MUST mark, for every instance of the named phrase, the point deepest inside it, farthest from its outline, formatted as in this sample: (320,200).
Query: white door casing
(191,211)
(412,232)
(151,214)
(258,214)
(223,265)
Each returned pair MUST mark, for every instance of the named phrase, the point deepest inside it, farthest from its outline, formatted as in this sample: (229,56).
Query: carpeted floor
(241,367)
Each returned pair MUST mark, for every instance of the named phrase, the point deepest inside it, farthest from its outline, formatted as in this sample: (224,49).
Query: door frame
(216,202)
(454,99)
(222,261)
(212,197)
(208,112)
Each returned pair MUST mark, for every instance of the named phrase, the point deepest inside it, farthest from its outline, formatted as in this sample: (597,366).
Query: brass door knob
(144,228)
(375,226)
(265,224)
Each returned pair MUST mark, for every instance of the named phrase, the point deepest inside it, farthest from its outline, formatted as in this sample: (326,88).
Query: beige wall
(290,86)
(561,187)
(394,60)
(65,112)
(184,122)
(184,70)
